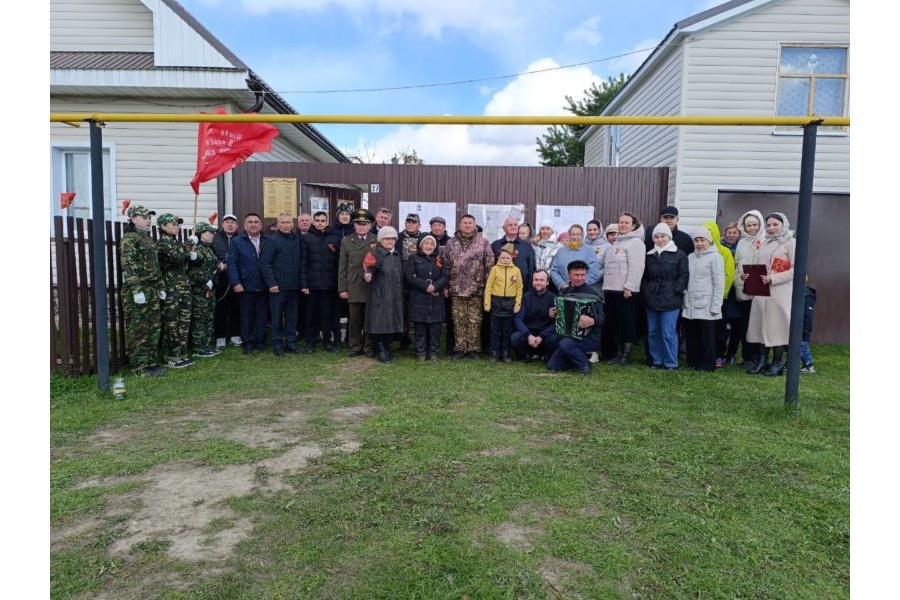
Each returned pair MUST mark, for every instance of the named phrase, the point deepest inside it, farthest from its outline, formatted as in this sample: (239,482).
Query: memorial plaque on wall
(279,195)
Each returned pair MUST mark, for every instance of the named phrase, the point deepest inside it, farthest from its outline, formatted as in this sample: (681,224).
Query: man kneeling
(535,326)
(582,335)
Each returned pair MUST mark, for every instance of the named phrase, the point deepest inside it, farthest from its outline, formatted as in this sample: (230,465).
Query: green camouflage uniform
(203,299)
(141,273)
(176,308)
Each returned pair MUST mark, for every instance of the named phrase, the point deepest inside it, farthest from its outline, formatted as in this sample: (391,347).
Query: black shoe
(473,355)
(353,353)
(506,358)
(248,350)
(421,357)
(774,370)
(330,348)
(655,367)
(292,350)
(370,354)
(493,358)
(278,350)
(458,355)
(614,362)
(586,370)
(758,366)
(309,349)
(384,355)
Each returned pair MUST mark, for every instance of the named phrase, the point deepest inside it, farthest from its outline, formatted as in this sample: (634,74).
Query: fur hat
(387,232)
(663,229)
(702,232)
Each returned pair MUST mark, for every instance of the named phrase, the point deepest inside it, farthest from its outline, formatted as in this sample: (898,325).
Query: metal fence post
(98,256)
(804,217)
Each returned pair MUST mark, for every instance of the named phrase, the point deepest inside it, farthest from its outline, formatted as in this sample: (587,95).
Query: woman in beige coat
(623,270)
(770,316)
(747,253)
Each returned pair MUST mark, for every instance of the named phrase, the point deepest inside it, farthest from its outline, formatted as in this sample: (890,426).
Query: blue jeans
(805,356)
(662,337)
(573,352)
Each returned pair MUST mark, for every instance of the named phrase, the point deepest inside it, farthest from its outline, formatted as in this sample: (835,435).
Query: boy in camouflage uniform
(176,307)
(142,290)
(203,298)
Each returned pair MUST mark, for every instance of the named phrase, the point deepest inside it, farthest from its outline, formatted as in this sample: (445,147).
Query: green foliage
(560,146)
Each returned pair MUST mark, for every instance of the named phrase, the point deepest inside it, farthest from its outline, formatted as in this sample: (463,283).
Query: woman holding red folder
(770,315)
(747,253)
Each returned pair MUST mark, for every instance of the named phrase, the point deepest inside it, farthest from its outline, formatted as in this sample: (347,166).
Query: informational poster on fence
(491,217)
(426,210)
(562,217)
(279,195)
(318,203)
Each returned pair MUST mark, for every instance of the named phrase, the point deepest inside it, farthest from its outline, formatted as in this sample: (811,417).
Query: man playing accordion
(578,321)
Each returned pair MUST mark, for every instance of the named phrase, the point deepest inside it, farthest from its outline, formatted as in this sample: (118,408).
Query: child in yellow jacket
(502,299)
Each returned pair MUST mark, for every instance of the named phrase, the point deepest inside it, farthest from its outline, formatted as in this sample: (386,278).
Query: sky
(303,46)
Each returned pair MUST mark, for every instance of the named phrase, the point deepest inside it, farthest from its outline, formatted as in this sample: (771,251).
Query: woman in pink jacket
(623,270)
(770,316)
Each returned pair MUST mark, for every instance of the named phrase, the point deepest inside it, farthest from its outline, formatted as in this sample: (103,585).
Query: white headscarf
(786,232)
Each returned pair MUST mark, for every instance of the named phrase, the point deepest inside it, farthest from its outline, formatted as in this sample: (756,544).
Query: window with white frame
(72,173)
(812,80)
(614,144)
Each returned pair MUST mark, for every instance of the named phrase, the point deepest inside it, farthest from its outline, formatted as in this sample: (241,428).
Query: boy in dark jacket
(319,254)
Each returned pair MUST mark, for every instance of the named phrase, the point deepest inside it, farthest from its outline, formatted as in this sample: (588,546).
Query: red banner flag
(223,146)
(65,199)
(213,217)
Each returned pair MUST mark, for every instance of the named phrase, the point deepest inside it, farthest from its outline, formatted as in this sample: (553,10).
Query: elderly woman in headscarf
(770,315)
(747,253)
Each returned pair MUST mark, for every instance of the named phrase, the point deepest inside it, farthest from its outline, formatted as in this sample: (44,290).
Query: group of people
(565,300)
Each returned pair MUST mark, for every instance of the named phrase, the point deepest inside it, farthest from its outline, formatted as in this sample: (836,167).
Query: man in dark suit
(247,282)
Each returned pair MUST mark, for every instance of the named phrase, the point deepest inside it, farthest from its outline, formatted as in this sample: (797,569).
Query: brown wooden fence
(72,307)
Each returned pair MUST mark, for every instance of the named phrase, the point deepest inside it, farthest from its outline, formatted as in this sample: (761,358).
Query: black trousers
(750,351)
(428,338)
(623,313)
(701,344)
(283,312)
(320,305)
(501,331)
(254,318)
(227,319)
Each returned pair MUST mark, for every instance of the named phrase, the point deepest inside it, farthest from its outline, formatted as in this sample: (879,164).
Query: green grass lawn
(323,476)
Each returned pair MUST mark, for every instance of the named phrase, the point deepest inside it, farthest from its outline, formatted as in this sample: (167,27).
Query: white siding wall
(732,69)
(100,25)
(646,146)
(177,44)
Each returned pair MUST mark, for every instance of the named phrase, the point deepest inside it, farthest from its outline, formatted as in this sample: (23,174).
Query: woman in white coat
(770,316)
(622,274)
(747,253)
(703,301)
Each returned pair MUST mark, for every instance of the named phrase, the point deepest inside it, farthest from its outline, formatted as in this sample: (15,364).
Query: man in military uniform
(351,285)
(176,316)
(203,298)
(142,290)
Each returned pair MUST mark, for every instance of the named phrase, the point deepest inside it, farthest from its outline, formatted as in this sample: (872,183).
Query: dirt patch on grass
(353,414)
(183,509)
(542,441)
(496,452)
(559,574)
(517,536)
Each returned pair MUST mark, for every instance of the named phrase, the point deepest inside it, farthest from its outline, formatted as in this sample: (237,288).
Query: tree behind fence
(73,337)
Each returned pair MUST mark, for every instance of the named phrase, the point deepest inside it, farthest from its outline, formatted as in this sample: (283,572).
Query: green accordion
(569,309)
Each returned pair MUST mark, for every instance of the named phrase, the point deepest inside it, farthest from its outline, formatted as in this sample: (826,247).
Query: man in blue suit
(247,282)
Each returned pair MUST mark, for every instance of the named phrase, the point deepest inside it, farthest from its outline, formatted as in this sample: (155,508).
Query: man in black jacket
(573,349)
(535,329)
(227,320)
(319,253)
(279,265)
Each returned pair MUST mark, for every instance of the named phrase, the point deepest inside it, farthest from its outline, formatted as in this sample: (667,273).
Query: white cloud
(539,94)
(430,17)
(588,32)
